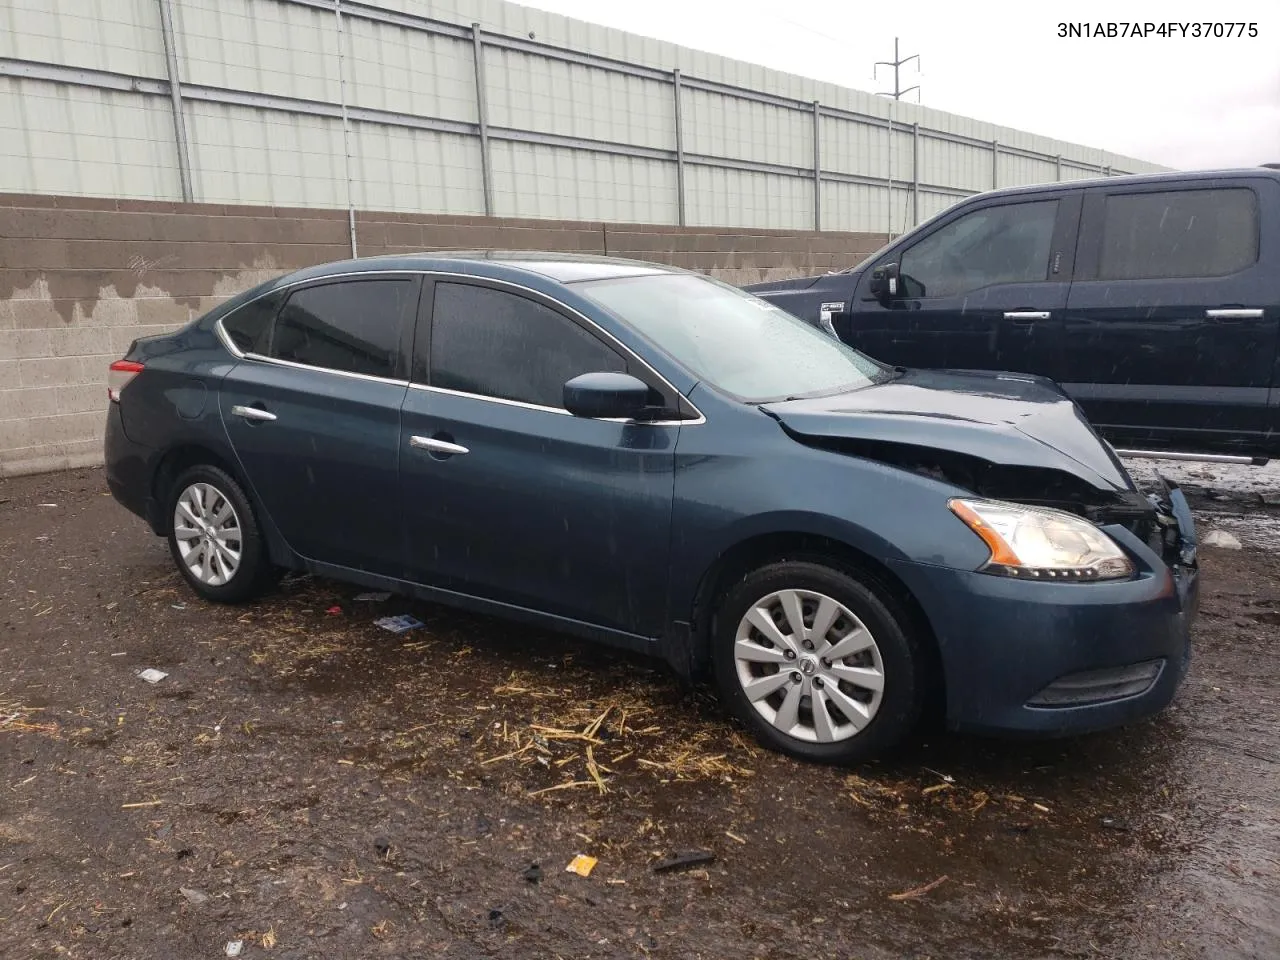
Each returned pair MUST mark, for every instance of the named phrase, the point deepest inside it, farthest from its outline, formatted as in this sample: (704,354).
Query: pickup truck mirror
(885,282)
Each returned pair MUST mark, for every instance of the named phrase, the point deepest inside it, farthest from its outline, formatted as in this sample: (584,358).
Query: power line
(897,63)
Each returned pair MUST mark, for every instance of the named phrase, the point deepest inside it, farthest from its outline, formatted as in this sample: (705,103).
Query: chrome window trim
(626,351)
(559,411)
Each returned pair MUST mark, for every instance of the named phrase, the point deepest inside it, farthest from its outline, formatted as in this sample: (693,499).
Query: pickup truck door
(1170,331)
(983,290)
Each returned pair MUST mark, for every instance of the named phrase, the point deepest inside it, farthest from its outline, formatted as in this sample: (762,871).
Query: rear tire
(848,686)
(214,536)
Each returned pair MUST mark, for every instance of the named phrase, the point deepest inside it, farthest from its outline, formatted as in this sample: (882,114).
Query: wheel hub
(809,666)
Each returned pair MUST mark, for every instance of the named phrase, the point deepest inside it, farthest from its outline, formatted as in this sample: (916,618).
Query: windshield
(734,341)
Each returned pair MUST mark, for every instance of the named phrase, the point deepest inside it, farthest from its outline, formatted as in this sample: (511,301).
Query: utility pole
(898,62)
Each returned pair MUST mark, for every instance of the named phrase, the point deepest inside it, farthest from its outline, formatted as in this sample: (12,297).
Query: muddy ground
(313,786)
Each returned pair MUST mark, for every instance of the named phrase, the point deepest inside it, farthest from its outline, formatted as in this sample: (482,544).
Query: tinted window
(353,326)
(1005,244)
(1178,233)
(735,341)
(498,344)
(248,326)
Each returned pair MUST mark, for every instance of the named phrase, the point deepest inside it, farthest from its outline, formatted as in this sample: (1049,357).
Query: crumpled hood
(1010,419)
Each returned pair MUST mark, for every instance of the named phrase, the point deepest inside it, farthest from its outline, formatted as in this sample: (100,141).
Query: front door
(1168,337)
(983,291)
(506,495)
(313,414)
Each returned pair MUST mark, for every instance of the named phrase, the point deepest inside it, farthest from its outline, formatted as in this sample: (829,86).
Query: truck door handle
(1235,313)
(437,446)
(252,413)
(1025,316)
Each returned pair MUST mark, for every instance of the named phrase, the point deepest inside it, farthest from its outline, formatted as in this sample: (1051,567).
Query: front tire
(214,536)
(819,664)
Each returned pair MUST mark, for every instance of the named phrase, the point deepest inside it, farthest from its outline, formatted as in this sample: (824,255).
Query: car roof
(1167,176)
(560,267)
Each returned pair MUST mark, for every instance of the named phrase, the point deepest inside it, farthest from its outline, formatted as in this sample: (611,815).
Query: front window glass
(994,245)
(738,343)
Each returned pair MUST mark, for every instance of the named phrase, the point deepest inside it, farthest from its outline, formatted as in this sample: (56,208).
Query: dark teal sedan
(656,460)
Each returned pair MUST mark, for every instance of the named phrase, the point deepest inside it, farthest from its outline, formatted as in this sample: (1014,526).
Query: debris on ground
(400,623)
(582,865)
(233,948)
(920,891)
(151,675)
(533,873)
(375,597)
(680,861)
(1221,539)
(334,611)
(193,895)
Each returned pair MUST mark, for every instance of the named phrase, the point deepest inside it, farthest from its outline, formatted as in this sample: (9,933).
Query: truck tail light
(119,375)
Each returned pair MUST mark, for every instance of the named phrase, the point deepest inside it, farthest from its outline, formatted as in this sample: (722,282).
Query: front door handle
(1025,315)
(437,446)
(1235,313)
(252,413)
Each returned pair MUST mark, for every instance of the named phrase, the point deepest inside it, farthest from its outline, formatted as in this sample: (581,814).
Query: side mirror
(606,396)
(885,282)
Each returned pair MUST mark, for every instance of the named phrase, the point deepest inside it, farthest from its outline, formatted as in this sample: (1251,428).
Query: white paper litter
(233,948)
(152,675)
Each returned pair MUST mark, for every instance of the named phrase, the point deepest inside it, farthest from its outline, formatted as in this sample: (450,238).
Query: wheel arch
(763,549)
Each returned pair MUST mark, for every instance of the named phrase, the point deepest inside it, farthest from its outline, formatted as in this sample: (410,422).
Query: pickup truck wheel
(816,662)
(214,536)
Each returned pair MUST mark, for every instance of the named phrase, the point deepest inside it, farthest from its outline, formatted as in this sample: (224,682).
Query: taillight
(119,374)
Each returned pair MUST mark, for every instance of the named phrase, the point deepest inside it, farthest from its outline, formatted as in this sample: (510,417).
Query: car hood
(795,283)
(1009,419)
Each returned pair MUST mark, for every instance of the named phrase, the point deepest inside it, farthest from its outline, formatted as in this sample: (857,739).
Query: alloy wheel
(207,529)
(809,666)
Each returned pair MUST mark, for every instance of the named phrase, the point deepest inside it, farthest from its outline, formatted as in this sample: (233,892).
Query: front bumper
(1052,659)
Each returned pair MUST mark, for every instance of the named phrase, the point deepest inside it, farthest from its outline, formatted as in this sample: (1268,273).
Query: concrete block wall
(82,277)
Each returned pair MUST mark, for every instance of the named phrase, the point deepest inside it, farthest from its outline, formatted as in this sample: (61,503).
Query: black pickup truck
(1153,300)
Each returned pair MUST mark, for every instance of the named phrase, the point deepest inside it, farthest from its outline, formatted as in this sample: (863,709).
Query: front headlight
(1042,544)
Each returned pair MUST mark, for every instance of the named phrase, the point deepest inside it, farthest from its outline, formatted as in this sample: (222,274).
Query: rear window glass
(248,327)
(1178,233)
(353,326)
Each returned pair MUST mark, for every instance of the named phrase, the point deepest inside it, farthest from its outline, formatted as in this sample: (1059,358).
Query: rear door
(1171,327)
(508,496)
(313,414)
(983,290)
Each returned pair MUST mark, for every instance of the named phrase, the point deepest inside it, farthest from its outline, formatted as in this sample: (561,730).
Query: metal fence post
(817,166)
(888,228)
(1058,159)
(675,83)
(995,164)
(175,96)
(482,118)
(915,174)
(346,129)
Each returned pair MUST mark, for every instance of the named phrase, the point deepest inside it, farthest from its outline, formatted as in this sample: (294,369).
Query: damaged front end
(1161,519)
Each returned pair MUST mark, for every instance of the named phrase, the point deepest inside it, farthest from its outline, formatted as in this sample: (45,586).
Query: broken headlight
(1036,543)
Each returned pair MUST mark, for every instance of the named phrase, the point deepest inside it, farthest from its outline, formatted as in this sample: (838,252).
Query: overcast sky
(1184,103)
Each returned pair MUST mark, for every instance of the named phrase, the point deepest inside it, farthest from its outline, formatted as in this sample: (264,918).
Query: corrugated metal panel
(416,171)
(118,35)
(721,126)
(1020,170)
(737,198)
(56,138)
(532,180)
(533,93)
(248,155)
(949,164)
(266,46)
(863,148)
(390,67)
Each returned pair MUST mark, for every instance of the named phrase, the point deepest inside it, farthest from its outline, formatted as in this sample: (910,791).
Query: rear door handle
(252,413)
(1025,315)
(437,446)
(1235,313)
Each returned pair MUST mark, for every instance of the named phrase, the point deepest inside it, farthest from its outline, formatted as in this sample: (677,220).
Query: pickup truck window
(1009,243)
(1178,233)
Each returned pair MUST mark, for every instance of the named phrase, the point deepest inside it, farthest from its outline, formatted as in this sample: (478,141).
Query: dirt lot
(317,787)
